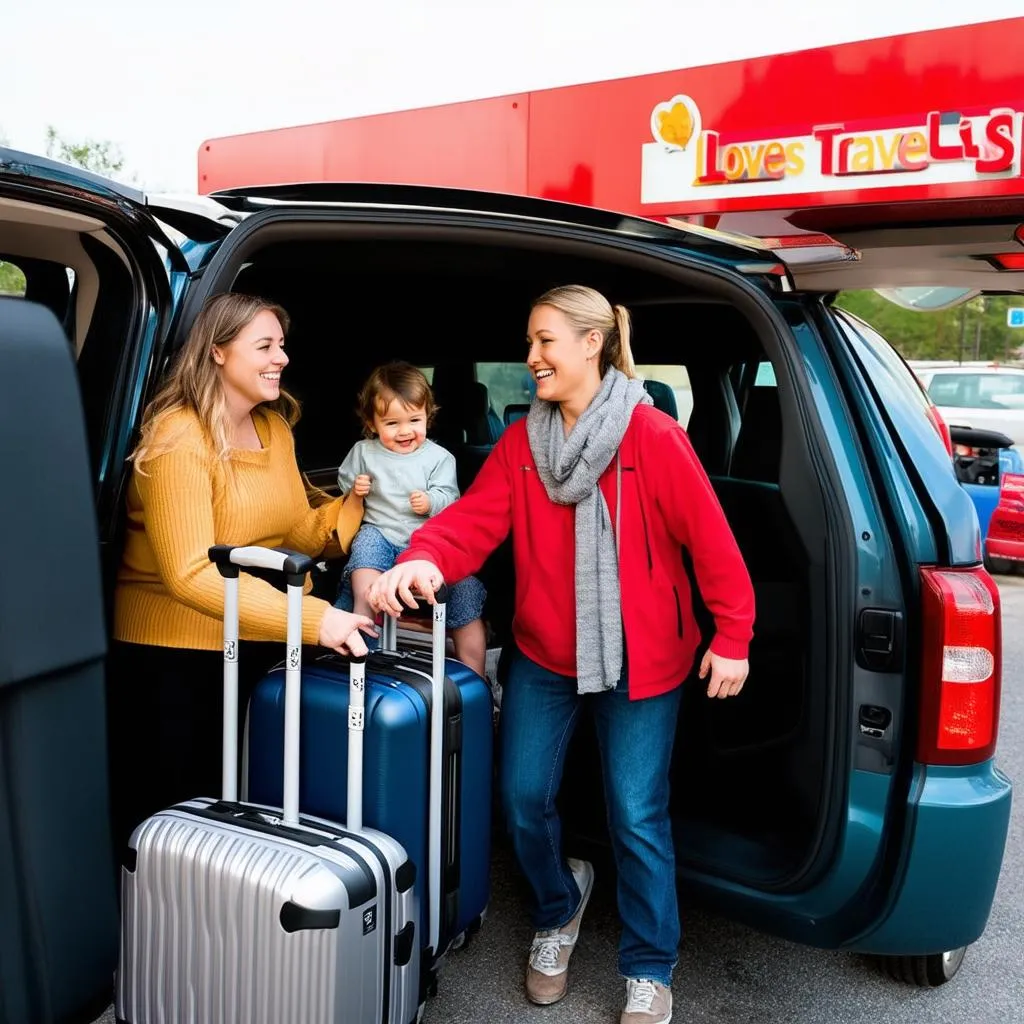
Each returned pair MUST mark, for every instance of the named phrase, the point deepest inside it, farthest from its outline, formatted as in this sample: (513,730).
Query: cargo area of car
(751,776)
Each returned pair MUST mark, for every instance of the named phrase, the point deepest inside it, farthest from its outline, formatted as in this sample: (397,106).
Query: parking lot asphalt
(730,974)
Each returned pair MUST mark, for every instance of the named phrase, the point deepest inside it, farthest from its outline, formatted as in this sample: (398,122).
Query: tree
(100,157)
(974,330)
(12,280)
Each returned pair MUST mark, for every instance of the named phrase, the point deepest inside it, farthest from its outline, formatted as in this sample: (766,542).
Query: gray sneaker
(647,1002)
(547,975)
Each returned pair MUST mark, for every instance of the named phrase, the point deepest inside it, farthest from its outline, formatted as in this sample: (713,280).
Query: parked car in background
(984,395)
(991,471)
(1004,543)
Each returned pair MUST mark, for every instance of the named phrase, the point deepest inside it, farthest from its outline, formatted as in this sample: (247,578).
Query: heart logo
(675,122)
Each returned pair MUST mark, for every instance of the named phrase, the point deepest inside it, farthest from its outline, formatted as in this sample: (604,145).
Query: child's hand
(361,487)
(420,503)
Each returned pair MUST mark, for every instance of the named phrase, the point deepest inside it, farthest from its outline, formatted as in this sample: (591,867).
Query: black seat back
(663,396)
(58,908)
(759,444)
(482,425)
(715,421)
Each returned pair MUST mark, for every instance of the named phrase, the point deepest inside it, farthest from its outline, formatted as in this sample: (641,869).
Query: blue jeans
(372,550)
(539,711)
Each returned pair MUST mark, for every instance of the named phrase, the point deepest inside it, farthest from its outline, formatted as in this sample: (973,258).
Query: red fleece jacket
(667,504)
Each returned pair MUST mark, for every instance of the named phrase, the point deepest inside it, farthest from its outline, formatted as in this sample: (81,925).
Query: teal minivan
(849,799)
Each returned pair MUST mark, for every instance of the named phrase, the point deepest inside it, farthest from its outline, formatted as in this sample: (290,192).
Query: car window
(978,390)
(950,390)
(1004,390)
(509,386)
(669,387)
(49,283)
(897,385)
(12,279)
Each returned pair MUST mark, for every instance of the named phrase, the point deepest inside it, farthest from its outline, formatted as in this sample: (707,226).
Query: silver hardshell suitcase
(236,913)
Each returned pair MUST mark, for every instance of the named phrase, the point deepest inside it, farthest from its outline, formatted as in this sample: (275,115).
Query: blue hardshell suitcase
(398,763)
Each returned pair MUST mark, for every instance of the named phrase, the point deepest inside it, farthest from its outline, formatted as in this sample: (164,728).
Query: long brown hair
(194,382)
(587,309)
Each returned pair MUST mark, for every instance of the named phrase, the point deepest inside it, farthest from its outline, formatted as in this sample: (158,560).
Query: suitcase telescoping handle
(389,628)
(389,644)
(294,568)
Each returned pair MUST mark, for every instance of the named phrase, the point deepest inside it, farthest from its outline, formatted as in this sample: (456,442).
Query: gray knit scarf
(570,467)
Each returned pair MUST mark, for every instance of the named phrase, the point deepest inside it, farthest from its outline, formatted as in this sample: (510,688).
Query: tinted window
(948,389)
(508,385)
(897,386)
(669,387)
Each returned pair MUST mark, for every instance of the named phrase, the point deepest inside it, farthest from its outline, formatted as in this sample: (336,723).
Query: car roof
(972,369)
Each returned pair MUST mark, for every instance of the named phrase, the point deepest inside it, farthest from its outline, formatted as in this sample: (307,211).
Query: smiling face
(250,365)
(564,362)
(401,428)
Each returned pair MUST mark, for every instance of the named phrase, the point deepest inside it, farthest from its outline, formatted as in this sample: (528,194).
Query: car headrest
(663,396)
(514,412)
(477,401)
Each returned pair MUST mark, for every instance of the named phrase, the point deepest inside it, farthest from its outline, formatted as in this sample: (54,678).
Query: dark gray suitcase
(236,913)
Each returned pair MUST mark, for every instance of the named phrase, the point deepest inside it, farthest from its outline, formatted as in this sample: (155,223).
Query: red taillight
(1011,491)
(961,665)
(1007,260)
(940,425)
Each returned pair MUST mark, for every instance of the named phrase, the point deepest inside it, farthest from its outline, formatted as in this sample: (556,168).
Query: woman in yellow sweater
(215,465)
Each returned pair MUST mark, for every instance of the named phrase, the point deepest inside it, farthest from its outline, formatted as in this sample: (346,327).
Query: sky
(158,79)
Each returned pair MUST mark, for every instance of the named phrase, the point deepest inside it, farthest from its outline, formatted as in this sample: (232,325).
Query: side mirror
(973,438)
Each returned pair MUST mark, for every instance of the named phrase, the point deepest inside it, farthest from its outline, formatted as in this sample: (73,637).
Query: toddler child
(403,478)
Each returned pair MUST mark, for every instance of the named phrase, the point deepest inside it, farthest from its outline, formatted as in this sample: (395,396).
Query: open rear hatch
(921,255)
(770,809)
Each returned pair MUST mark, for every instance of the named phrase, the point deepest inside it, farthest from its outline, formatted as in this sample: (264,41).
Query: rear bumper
(959,818)
(1006,537)
(1012,552)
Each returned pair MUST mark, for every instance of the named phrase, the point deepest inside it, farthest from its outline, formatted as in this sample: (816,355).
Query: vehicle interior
(461,316)
(71,264)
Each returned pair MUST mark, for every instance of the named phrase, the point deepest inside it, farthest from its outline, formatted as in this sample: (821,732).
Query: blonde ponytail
(587,309)
(623,358)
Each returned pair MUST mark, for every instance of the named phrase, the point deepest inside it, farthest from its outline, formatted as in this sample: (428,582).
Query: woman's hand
(361,486)
(396,585)
(341,631)
(727,674)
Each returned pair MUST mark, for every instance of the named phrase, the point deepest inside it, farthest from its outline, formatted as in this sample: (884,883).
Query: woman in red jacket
(600,490)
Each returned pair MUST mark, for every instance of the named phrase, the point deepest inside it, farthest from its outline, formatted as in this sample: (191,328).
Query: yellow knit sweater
(168,592)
